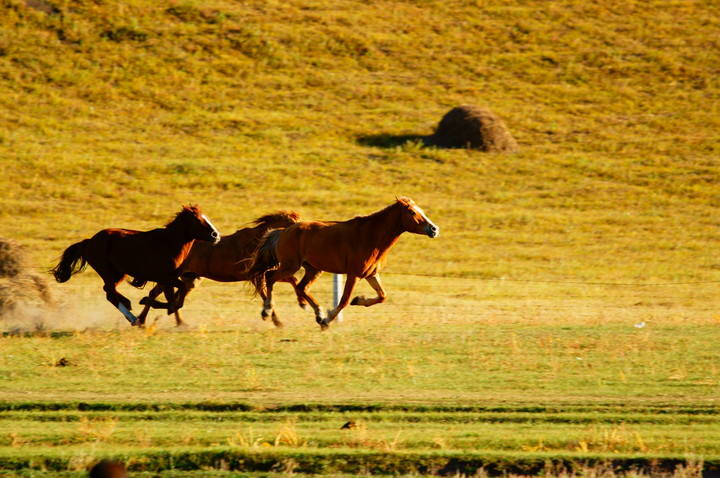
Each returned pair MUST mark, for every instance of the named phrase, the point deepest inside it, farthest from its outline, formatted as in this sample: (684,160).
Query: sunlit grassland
(488,375)
(256,106)
(415,348)
(568,312)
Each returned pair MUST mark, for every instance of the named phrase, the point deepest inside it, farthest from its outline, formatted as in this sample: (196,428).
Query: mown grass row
(193,410)
(305,408)
(376,463)
(578,434)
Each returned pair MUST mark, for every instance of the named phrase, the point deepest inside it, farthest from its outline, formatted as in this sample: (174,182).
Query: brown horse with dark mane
(226,261)
(357,247)
(150,256)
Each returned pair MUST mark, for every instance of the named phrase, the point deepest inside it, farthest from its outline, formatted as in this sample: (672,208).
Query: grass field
(565,320)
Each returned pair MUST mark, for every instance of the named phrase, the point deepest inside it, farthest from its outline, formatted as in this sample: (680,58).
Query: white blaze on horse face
(207,220)
(430,228)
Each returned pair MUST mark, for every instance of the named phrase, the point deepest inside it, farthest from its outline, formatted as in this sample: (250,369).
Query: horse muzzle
(432,231)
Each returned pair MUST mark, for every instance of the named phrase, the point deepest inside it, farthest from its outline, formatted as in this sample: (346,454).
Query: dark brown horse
(226,261)
(151,256)
(357,247)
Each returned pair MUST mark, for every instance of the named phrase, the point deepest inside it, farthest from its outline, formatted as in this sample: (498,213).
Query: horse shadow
(387,141)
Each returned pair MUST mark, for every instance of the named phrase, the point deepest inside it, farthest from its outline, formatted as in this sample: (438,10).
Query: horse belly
(331,249)
(325,259)
(150,267)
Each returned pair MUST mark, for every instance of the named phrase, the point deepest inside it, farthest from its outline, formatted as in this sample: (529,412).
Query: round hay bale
(471,127)
(13,260)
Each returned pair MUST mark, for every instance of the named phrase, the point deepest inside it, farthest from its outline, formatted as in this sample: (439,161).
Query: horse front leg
(171,298)
(154,292)
(375,283)
(344,300)
(153,302)
(188,282)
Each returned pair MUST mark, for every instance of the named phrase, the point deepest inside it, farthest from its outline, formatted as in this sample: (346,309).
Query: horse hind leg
(283,273)
(302,301)
(121,302)
(273,316)
(311,275)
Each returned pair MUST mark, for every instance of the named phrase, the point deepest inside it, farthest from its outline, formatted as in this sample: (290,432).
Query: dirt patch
(473,127)
(24,290)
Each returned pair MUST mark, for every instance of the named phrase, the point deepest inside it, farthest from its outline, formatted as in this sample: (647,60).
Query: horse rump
(263,259)
(71,262)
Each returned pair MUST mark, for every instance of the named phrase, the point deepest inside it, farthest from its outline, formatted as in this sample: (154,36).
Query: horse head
(198,225)
(414,220)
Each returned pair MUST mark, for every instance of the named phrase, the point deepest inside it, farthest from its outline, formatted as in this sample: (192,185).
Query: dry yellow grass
(580,272)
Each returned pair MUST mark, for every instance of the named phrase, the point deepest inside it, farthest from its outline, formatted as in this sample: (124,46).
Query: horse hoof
(324,325)
(264,314)
(144,300)
(356,300)
(305,306)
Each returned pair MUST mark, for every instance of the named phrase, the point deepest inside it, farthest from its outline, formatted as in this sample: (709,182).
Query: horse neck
(385,227)
(179,237)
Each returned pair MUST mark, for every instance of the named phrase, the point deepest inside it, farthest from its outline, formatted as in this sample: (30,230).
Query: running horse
(226,261)
(357,247)
(149,256)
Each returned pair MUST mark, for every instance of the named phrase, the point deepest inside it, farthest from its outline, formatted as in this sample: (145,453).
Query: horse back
(146,255)
(225,261)
(337,247)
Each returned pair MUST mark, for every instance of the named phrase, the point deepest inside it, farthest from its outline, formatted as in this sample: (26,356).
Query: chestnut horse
(357,247)
(146,256)
(226,261)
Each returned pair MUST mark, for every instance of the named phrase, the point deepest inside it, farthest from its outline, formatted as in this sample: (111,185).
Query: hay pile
(20,287)
(472,127)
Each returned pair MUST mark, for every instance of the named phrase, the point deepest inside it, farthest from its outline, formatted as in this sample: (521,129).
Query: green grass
(509,343)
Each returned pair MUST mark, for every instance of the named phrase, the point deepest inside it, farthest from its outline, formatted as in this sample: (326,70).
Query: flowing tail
(264,259)
(72,262)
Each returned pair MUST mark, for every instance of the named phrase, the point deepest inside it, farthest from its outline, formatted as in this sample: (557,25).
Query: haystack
(20,287)
(471,127)
(13,260)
